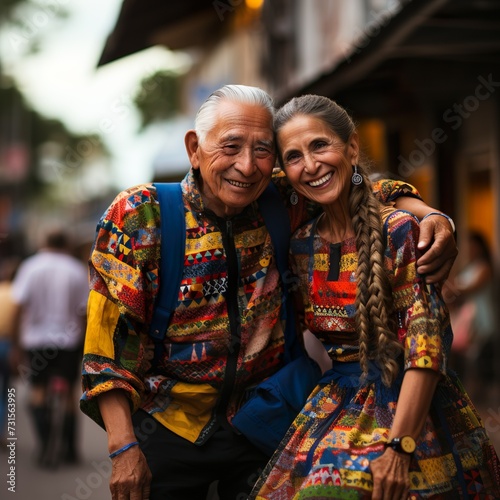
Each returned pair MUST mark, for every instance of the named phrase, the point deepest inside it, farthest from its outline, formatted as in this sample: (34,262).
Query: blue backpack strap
(173,246)
(277,222)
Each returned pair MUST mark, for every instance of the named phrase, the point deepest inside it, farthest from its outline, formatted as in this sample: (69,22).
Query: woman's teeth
(320,181)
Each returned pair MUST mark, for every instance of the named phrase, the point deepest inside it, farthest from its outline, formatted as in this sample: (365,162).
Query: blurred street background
(97,96)
(88,479)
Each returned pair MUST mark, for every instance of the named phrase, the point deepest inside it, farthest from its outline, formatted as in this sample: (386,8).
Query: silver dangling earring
(294,198)
(356,178)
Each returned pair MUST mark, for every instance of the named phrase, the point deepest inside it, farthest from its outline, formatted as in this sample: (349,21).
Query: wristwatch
(404,444)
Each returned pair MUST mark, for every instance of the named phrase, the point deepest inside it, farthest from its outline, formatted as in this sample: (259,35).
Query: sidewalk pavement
(86,481)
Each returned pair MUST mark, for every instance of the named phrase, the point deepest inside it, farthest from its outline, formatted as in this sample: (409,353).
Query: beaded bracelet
(121,450)
(450,220)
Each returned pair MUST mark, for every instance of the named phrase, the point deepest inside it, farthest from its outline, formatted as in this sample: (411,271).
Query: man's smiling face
(236,159)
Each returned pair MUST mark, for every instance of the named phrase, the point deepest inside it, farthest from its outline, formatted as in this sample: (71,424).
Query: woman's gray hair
(207,114)
(335,116)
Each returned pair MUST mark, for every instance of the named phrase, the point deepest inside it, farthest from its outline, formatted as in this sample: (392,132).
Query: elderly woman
(225,334)
(389,420)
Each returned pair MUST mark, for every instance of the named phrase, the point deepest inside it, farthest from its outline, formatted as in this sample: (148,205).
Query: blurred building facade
(421,77)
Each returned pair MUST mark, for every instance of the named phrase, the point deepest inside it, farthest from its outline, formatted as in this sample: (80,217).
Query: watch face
(407,444)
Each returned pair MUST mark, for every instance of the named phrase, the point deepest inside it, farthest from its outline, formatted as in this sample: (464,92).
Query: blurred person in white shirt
(50,292)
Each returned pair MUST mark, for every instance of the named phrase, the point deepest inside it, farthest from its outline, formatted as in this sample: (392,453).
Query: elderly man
(179,410)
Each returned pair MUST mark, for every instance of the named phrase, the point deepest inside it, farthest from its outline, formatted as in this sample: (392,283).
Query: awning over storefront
(174,24)
(428,43)
(424,40)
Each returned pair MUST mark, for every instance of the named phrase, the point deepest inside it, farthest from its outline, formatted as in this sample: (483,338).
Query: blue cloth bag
(273,404)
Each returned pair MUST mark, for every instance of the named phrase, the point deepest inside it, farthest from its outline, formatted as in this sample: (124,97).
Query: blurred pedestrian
(7,316)
(473,315)
(50,291)
(168,417)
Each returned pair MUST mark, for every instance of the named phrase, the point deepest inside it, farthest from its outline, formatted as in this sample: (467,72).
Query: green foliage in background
(158,97)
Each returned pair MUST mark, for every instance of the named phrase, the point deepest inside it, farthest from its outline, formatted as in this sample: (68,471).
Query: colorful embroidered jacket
(327,273)
(193,382)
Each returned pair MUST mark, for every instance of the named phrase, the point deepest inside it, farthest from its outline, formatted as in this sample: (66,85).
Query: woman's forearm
(414,402)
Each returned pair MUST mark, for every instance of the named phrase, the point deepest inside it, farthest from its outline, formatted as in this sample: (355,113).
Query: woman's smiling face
(316,161)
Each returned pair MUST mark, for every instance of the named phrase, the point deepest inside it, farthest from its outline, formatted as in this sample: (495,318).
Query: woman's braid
(363,323)
(377,335)
(374,293)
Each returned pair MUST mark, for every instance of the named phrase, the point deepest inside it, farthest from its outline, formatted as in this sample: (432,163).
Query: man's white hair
(207,114)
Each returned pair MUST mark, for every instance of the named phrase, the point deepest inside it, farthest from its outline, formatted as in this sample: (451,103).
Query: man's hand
(439,248)
(391,480)
(130,477)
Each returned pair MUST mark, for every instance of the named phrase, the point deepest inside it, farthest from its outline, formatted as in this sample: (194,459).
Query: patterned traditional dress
(345,423)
